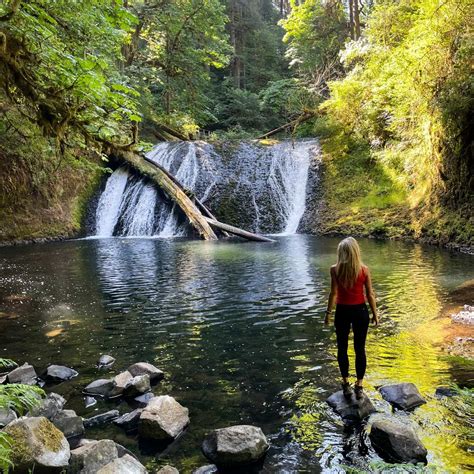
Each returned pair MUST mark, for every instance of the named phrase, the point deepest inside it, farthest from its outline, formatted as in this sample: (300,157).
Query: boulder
(395,441)
(36,442)
(445,392)
(101,388)
(236,445)
(49,407)
(163,418)
(69,423)
(404,396)
(105,361)
(25,374)
(208,469)
(123,465)
(7,415)
(121,381)
(138,385)
(101,419)
(167,470)
(59,373)
(351,410)
(129,421)
(142,368)
(91,456)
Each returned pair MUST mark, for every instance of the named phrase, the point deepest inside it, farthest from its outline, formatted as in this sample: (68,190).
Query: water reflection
(238,329)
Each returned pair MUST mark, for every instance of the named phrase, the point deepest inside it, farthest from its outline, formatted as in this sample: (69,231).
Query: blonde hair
(349,262)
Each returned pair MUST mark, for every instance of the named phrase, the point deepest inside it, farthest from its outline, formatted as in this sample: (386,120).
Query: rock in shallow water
(142,368)
(59,373)
(129,421)
(24,374)
(138,385)
(69,423)
(396,442)
(350,409)
(167,470)
(236,445)
(163,418)
(36,441)
(404,396)
(105,361)
(124,465)
(101,388)
(208,469)
(7,415)
(91,456)
(101,419)
(49,407)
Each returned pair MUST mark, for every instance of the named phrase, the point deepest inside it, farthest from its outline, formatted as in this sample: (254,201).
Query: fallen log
(293,123)
(175,192)
(172,132)
(236,231)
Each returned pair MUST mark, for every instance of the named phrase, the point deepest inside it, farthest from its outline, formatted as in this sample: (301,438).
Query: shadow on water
(237,327)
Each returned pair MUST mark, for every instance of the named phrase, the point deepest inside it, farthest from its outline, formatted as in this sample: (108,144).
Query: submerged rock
(91,456)
(101,419)
(49,407)
(105,361)
(35,441)
(396,442)
(163,418)
(101,388)
(236,445)
(208,469)
(142,368)
(7,415)
(69,423)
(404,396)
(144,399)
(25,374)
(445,392)
(129,421)
(59,373)
(123,465)
(351,410)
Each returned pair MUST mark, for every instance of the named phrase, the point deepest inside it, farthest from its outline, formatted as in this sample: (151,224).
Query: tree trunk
(351,18)
(356,20)
(237,231)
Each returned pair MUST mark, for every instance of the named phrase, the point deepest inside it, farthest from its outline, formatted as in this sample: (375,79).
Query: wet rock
(142,368)
(123,465)
(129,421)
(49,407)
(396,442)
(144,399)
(208,469)
(138,385)
(351,410)
(404,396)
(121,381)
(105,361)
(59,373)
(91,456)
(101,419)
(445,392)
(36,442)
(69,423)
(236,445)
(7,415)
(122,451)
(3,379)
(89,401)
(24,374)
(163,418)
(101,388)
(167,470)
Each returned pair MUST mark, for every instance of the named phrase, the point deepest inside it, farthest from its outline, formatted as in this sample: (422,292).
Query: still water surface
(237,327)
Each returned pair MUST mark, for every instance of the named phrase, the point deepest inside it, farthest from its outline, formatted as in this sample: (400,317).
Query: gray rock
(129,421)
(163,418)
(49,407)
(37,443)
(101,419)
(124,465)
(167,470)
(351,410)
(142,368)
(236,445)
(24,374)
(121,381)
(59,373)
(89,401)
(7,415)
(404,396)
(3,379)
(445,392)
(105,361)
(101,388)
(138,385)
(92,456)
(396,442)
(208,469)
(69,423)
(144,399)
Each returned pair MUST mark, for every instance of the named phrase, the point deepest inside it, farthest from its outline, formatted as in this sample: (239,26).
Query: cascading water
(260,188)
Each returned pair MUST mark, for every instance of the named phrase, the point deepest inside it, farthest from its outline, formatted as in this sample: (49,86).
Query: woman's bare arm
(332,296)
(369,291)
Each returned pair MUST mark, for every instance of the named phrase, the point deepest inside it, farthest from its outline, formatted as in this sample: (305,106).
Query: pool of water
(237,327)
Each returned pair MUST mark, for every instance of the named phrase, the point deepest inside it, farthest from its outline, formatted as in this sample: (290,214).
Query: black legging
(356,315)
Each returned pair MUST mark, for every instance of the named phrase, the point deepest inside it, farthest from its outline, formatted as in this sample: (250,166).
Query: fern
(7,363)
(20,398)
(5,451)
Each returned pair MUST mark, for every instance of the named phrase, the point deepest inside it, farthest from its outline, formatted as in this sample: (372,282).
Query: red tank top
(355,294)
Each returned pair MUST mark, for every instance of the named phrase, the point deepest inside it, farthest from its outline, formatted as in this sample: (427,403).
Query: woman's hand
(376,319)
(326,319)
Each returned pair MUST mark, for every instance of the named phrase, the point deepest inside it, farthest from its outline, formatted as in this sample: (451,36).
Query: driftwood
(237,231)
(293,123)
(169,186)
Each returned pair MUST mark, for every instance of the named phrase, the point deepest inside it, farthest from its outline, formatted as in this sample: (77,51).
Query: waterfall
(260,188)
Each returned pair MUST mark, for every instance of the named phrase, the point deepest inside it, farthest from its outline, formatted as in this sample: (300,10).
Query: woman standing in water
(349,277)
